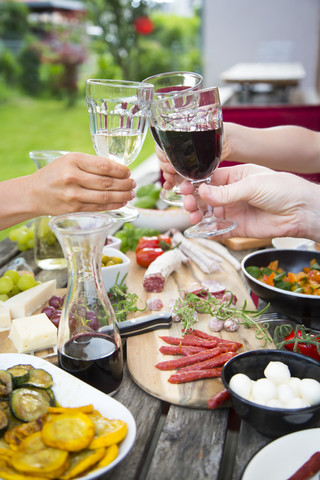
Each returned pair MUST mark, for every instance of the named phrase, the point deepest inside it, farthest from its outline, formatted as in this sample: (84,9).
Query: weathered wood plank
(190,445)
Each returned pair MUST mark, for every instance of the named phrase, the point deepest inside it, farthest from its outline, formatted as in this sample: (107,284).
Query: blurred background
(258,53)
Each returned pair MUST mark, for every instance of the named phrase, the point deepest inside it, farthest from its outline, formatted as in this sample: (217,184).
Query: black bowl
(303,308)
(272,422)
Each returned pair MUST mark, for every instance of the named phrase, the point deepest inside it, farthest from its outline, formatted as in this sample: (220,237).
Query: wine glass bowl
(190,128)
(118,117)
(171,83)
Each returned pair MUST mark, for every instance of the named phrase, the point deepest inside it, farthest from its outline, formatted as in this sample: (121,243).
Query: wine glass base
(171,197)
(209,227)
(128,213)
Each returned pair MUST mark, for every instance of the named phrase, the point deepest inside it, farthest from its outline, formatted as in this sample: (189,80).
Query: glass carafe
(89,342)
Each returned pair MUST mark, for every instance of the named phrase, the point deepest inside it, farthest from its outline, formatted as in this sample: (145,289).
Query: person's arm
(289,148)
(75,182)
(264,203)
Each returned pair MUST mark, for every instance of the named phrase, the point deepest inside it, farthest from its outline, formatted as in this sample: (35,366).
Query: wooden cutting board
(143,350)
(244,243)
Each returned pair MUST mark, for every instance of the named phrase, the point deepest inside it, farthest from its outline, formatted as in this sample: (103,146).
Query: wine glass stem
(205,209)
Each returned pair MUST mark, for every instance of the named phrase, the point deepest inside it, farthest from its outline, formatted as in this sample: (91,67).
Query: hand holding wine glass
(190,129)
(118,117)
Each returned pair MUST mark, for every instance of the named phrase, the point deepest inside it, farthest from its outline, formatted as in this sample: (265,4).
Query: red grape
(56,302)
(49,311)
(55,319)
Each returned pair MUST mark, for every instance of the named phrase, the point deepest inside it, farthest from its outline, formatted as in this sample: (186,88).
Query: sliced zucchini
(50,392)
(6,384)
(26,366)
(39,378)
(29,403)
(4,422)
(20,374)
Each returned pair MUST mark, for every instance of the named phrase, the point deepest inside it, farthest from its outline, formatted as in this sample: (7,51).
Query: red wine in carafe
(94,359)
(193,154)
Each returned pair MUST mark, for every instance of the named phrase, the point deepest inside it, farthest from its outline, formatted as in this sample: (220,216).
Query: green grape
(3,297)
(13,274)
(24,236)
(15,290)
(6,284)
(26,281)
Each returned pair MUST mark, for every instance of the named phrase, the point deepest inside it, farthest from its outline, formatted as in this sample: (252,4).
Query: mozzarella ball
(294,383)
(264,389)
(277,372)
(275,403)
(310,390)
(241,384)
(285,393)
(297,403)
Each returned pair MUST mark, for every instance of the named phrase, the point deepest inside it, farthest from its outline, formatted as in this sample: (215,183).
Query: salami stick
(188,360)
(209,363)
(207,336)
(308,469)
(218,399)
(159,270)
(194,375)
(180,350)
(190,340)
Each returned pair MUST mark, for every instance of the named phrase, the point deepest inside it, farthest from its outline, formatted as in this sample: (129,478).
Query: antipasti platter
(144,351)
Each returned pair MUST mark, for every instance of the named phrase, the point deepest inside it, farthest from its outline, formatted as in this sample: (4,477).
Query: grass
(35,124)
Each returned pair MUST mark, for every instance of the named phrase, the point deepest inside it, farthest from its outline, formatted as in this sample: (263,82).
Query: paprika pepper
(149,248)
(147,255)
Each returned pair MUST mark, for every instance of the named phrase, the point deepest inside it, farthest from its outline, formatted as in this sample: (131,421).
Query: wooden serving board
(143,350)
(244,243)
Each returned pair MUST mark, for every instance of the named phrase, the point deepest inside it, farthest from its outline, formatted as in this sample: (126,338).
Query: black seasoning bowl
(303,308)
(272,422)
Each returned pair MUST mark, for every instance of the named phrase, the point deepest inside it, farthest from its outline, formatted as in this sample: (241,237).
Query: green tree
(117,19)
(13,19)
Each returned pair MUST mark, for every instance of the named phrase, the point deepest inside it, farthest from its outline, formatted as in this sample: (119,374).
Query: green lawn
(31,124)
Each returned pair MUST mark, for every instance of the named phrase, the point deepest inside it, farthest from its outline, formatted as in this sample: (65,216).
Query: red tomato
(147,255)
(150,242)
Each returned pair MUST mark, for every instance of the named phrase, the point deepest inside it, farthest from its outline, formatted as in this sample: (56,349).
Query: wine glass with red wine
(190,128)
(172,83)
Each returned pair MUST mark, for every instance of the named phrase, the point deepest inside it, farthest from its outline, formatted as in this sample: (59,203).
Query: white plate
(283,457)
(72,392)
(162,220)
(291,242)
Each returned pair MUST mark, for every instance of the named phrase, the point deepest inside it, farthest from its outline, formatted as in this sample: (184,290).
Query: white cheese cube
(5,318)
(33,333)
(26,303)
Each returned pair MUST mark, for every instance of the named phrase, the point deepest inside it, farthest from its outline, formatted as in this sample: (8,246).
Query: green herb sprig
(123,301)
(188,308)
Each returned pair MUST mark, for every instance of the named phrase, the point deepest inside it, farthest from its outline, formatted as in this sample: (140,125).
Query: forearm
(17,204)
(287,148)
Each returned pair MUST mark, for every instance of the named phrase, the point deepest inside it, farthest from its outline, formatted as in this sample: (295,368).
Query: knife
(144,324)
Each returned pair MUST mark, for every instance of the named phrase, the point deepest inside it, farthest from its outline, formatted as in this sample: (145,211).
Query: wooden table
(172,442)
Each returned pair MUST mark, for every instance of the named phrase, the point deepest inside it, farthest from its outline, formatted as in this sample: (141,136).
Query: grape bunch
(24,236)
(12,283)
(78,311)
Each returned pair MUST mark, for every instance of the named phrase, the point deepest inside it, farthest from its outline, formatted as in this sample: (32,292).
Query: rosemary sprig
(188,308)
(123,301)
(301,335)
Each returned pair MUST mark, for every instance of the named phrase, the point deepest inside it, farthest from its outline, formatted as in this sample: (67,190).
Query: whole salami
(159,270)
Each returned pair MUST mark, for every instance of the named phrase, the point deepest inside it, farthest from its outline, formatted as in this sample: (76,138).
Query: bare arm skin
(75,182)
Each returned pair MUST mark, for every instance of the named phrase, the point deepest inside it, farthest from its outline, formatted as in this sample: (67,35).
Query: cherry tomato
(147,255)
(149,242)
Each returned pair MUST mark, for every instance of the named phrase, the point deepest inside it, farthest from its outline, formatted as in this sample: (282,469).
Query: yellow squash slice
(71,431)
(34,457)
(107,431)
(82,461)
(110,455)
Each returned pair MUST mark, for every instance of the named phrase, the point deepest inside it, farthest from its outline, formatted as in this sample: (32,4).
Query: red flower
(143,25)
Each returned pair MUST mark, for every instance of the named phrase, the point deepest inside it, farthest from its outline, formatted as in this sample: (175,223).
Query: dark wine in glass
(171,83)
(190,129)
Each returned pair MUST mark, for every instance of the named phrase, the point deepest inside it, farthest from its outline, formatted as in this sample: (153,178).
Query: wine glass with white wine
(118,117)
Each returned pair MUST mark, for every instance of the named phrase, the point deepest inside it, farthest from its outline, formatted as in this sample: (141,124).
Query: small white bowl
(113,242)
(116,272)
(292,243)
(162,220)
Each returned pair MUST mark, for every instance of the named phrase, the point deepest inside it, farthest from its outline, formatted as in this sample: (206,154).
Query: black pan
(303,308)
